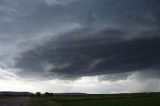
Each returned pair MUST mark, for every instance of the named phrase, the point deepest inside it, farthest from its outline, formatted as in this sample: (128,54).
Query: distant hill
(11,93)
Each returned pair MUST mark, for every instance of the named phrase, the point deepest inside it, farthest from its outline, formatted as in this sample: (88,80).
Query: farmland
(97,100)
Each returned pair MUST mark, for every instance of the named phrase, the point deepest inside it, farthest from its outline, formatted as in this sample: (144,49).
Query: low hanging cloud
(104,52)
(92,46)
(76,38)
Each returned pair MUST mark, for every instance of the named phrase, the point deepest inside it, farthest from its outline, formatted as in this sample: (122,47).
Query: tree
(48,94)
(38,94)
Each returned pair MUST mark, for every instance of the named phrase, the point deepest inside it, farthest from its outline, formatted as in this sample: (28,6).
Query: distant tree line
(44,94)
(10,93)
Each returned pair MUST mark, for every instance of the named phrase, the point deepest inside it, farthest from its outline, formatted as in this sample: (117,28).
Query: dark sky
(68,40)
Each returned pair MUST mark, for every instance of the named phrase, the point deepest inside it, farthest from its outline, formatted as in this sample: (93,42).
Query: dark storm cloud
(107,51)
(122,13)
(86,37)
(29,17)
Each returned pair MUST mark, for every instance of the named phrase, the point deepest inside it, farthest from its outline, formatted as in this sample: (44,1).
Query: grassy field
(96,100)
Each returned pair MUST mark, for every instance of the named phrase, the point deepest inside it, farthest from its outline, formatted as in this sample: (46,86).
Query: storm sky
(91,46)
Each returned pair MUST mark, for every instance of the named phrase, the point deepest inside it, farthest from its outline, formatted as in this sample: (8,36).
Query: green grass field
(151,100)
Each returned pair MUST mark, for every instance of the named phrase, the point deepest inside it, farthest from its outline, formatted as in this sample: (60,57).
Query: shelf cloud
(72,39)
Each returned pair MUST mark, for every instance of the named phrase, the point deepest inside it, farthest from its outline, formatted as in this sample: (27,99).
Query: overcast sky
(91,46)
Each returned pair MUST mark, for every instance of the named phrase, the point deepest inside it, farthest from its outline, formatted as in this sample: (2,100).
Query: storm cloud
(71,39)
(104,52)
